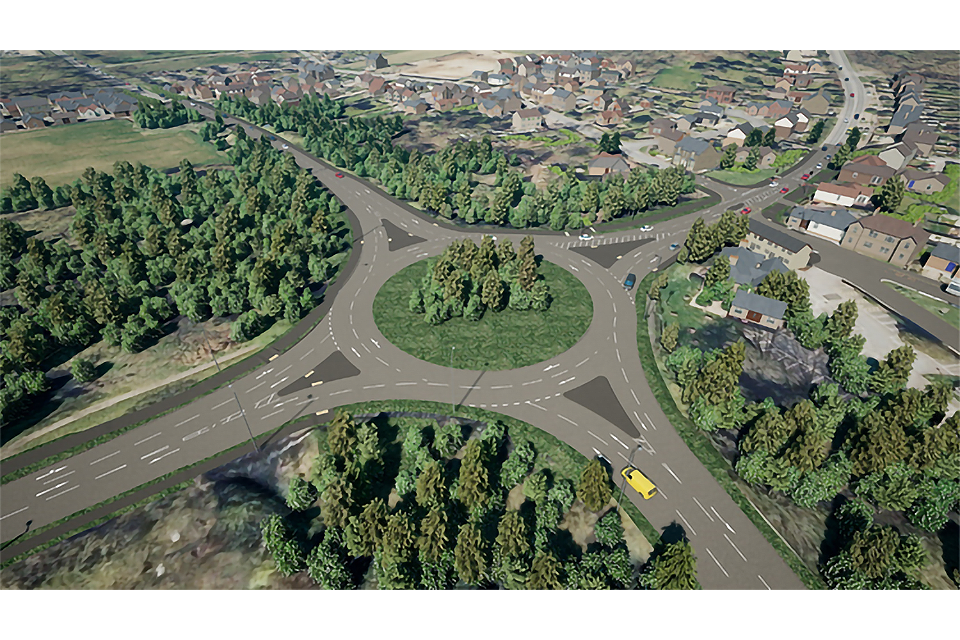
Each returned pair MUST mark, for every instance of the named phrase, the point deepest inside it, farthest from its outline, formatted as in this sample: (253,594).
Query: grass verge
(939,309)
(658,215)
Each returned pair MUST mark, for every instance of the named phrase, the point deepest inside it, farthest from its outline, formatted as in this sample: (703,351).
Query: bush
(83,370)
(518,464)
(609,529)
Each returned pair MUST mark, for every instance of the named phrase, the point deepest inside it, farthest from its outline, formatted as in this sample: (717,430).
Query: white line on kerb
(568,420)
(56,495)
(169,453)
(109,472)
(598,438)
(735,548)
(109,455)
(692,530)
(704,510)
(155,452)
(145,439)
(717,561)
(187,420)
(14,513)
(670,471)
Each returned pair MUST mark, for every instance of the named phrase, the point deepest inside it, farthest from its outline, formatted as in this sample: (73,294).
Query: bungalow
(889,239)
(722,93)
(920,136)
(27,104)
(54,98)
(30,121)
(666,141)
(527,120)
(828,224)
(415,107)
(87,112)
(765,161)
(923,182)
(120,108)
(63,117)
(607,163)
(843,195)
(748,268)
(696,154)
(757,309)
(776,244)
(7,125)
(609,118)
(866,170)
(375,61)
(898,156)
(943,261)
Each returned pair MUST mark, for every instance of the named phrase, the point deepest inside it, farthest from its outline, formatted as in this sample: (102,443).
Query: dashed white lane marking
(535,405)
(109,455)
(54,488)
(717,561)
(254,388)
(149,438)
(618,356)
(562,417)
(608,291)
(57,495)
(405,384)
(614,336)
(624,375)
(670,471)
(365,348)
(614,320)
(614,317)
(153,453)
(375,343)
(692,530)
(307,401)
(123,466)
(269,415)
(336,393)
(586,263)
(282,380)
(327,337)
(14,513)
(560,374)
(735,548)
(764,582)
(581,362)
(381,361)
(469,387)
(649,420)
(705,512)
(640,421)
(355,351)
(50,473)
(531,382)
(223,403)
(627,460)
(169,453)
(312,350)
(355,335)
(566,381)
(598,438)
(187,420)
(68,473)
(283,372)
(375,386)
(618,440)
(723,521)
(503,386)
(574,268)
(634,394)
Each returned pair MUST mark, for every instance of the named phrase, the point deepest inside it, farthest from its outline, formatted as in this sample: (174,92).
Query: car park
(639,482)
(629,281)
(646,227)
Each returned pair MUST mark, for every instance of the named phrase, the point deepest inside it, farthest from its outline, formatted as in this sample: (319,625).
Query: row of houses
(65,107)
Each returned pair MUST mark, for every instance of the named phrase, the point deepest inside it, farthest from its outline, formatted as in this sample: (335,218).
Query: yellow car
(639,482)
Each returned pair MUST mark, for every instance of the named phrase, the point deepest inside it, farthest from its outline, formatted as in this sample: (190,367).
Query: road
(851,83)
(593,396)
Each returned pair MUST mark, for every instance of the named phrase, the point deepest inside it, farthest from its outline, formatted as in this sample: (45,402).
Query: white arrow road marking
(123,466)
(14,513)
(717,561)
(50,473)
(54,488)
(567,380)
(670,471)
(685,522)
(199,432)
(281,381)
(553,366)
(375,343)
(735,548)
(264,373)
(640,421)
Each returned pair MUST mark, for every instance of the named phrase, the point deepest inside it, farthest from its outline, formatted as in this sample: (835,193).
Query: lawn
(946,311)
(142,63)
(948,196)
(42,75)
(677,77)
(742,177)
(60,154)
(498,341)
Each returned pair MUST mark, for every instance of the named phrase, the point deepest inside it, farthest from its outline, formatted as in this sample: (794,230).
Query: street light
(243,413)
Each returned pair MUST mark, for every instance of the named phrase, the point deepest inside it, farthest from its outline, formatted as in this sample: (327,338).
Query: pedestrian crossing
(607,240)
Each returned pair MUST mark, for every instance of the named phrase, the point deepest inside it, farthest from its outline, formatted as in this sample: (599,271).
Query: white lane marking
(262,401)
(581,362)
(614,338)
(281,381)
(437,384)
(568,420)
(123,466)
(232,416)
(503,386)
(336,393)
(223,403)
(109,455)
(670,471)
(685,522)
(621,443)
(560,374)
(14,513)
(566,381)
(187,420)
(355,335)
(405,384)
(469,387)
(253,388)
(198,432)
(50,473)
(649,420)
(327,337)
(618,354)
(723,521)
(59,477)
(585,262)
(272,414)
(374,386)
(152,453)
(640,421)
(351,304)
(52,488)
(614,320)
(375,343)
(608,292)
(764,582)
(311,350)
(624,375)
(145,439)
(598,438)
(169,453)
(264,373)
(553,366)
(57,495)
(575,269)
(705,512)
(355,351)
(531,382)
(287,401)
(634,394)
(284,371)
(717,561)
(627,460)
(735,548)
(535,405)
(614,310)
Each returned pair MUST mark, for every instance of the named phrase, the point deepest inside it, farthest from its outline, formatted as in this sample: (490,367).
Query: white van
(954,286)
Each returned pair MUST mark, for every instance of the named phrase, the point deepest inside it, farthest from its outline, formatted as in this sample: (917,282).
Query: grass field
(60,154)
(499,341)
(742,177)
(948,312)
(677,77)
(42,75)
(139,62)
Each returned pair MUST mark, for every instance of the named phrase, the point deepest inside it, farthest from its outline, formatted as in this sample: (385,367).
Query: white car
(846,120)
(586,236)
(819,165)
(774,183)
(286,146)
(646,227)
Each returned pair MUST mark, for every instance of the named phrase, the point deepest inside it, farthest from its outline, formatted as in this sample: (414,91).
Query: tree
(474,487)
(841,322)
(433,540)
(893,373)
(512,535)
(719,272)
(301,494)
(535,487)
(674,567)
(609,529)
(431,491)
(770,137)
(280,541)
(492,293)
(853,139)
(890,195)
(326,562)
(669,336)
(816,131)
(840,157)
(83,370)
(658,283)
(341,434)
(469,555)
(594,489)
(729,157)
(545,572)
(337,501)
(753,158)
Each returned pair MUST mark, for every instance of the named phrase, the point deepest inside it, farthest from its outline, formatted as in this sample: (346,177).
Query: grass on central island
(498,341)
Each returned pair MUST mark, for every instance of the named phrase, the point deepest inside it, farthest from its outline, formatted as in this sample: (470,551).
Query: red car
(745,211)
(851,95)
(784,190)
(339,174)
(805,176)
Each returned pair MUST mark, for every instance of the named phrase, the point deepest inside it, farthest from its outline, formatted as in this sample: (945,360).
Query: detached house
(722,93)
(748,268)
(696,154)
(816,103)
(666,141)
(563,100)
(758,310)
(943,262)
(843,195)
(609,118)
(866,171)
(527,120)
(415,107)
(765,161)
(889,239)
(375,61)
(738,135)
(898,156)
(828,224)
(920,136)
(922,182)
(603,102)
(607,163)
(777,244)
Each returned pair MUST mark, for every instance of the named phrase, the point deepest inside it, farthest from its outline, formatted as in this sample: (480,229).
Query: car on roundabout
(640,483)
(586,236)
(646,227)
(784,190)
(629,281)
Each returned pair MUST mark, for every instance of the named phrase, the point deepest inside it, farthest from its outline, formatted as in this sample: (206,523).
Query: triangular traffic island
(598,396)
(397,238)
(334,367)
(606,255)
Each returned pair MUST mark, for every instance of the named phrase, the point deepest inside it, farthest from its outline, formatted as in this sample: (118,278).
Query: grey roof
(766,306)
(948,252)
(751,267)
(777,237)
(906,114)
(712,108)
(835,218)
(608,162)
(695,146)
(561,93)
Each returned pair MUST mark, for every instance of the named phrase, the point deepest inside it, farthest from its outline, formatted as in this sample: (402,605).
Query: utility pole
(453,397)
(243,413)
(623,483)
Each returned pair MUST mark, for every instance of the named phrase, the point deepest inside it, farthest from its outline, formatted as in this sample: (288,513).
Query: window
(906,245)
(875,180)
(867,245)
(890,239)
(884,249)
(900,257)
(873,234)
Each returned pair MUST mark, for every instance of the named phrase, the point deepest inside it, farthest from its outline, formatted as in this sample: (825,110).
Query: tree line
(451,526)
(154,115)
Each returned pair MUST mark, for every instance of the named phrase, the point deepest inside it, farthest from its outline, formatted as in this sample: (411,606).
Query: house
(773,109)
(626,67)
(527,120)
(609,118)
(843,195)
(64,117)
(748,268)
(21,106)
(415,107)
(685,123)
(587,71)
(922,182)
(666,141)
(898,156)
(866,170)
(527,68)
(376,86)
(793,122)
(802,80)
(87,112)
(645,103)
(794,68)
(757,309)
(258,95)
(660,125)
(738,135)
(829,224)
(506,66)
(889,239)
(777,244)
(816,103)
(764,161)
(784,84)
(490,108)
(479,76)
(815,66)
(508,100)
(594,88)
(30,121)
(722,93)
(920,136)
(563,100)
(375,61)
(611,76)
(696,154)
(7,125)
(904,115)
(607,163)
(943,261)
(603,101)
(706,119)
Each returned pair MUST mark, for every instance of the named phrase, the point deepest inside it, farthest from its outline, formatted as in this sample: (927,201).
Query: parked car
(774,183)
(339,174)
(845,79)
(639,482)
(674,246)
(586,236)
(646,227)
(784,190)
(846,120)
(823,148)
(630,281)
(746,211)
(271,138)
(829,156)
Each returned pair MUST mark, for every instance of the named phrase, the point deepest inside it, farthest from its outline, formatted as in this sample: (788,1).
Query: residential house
(659,125)
(479,75)
(120,108)
(509,100)
(738,135)
(527,120)
(416,106)
(764,161)
(685,123)
(611,76)
(889,239)
(843,195)
(626,67)
(905,78)
(258,95)
(609,118)
(757,309)
(722,93)
(777,244)
(802,80)
(645,103)
(587,71)
(816,103)
(54,98)
(748,269)
(786,125)
(696,154)
(606,164)
(666,141)
(706,119)
(64,117)
(773,109)
(903,116)
(920,136)
(563,100)
(28,104)
(919,181)
(7,125)
(565,74)
(88,112)
(200,92)
(527,68)
(794,68)
(866,170)
(829,224)
(376,86)
(784,84)
(375,61)
(30,121)
(898,156)
(815,66)
(490,108)
(594,88)
(908,98)
(603,101)
(943,262)
(549,72)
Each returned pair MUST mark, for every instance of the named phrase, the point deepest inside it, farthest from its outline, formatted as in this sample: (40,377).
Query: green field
(499,341)
(60,154)
(677,77)
(42,75)
(742,177)
(139,62)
